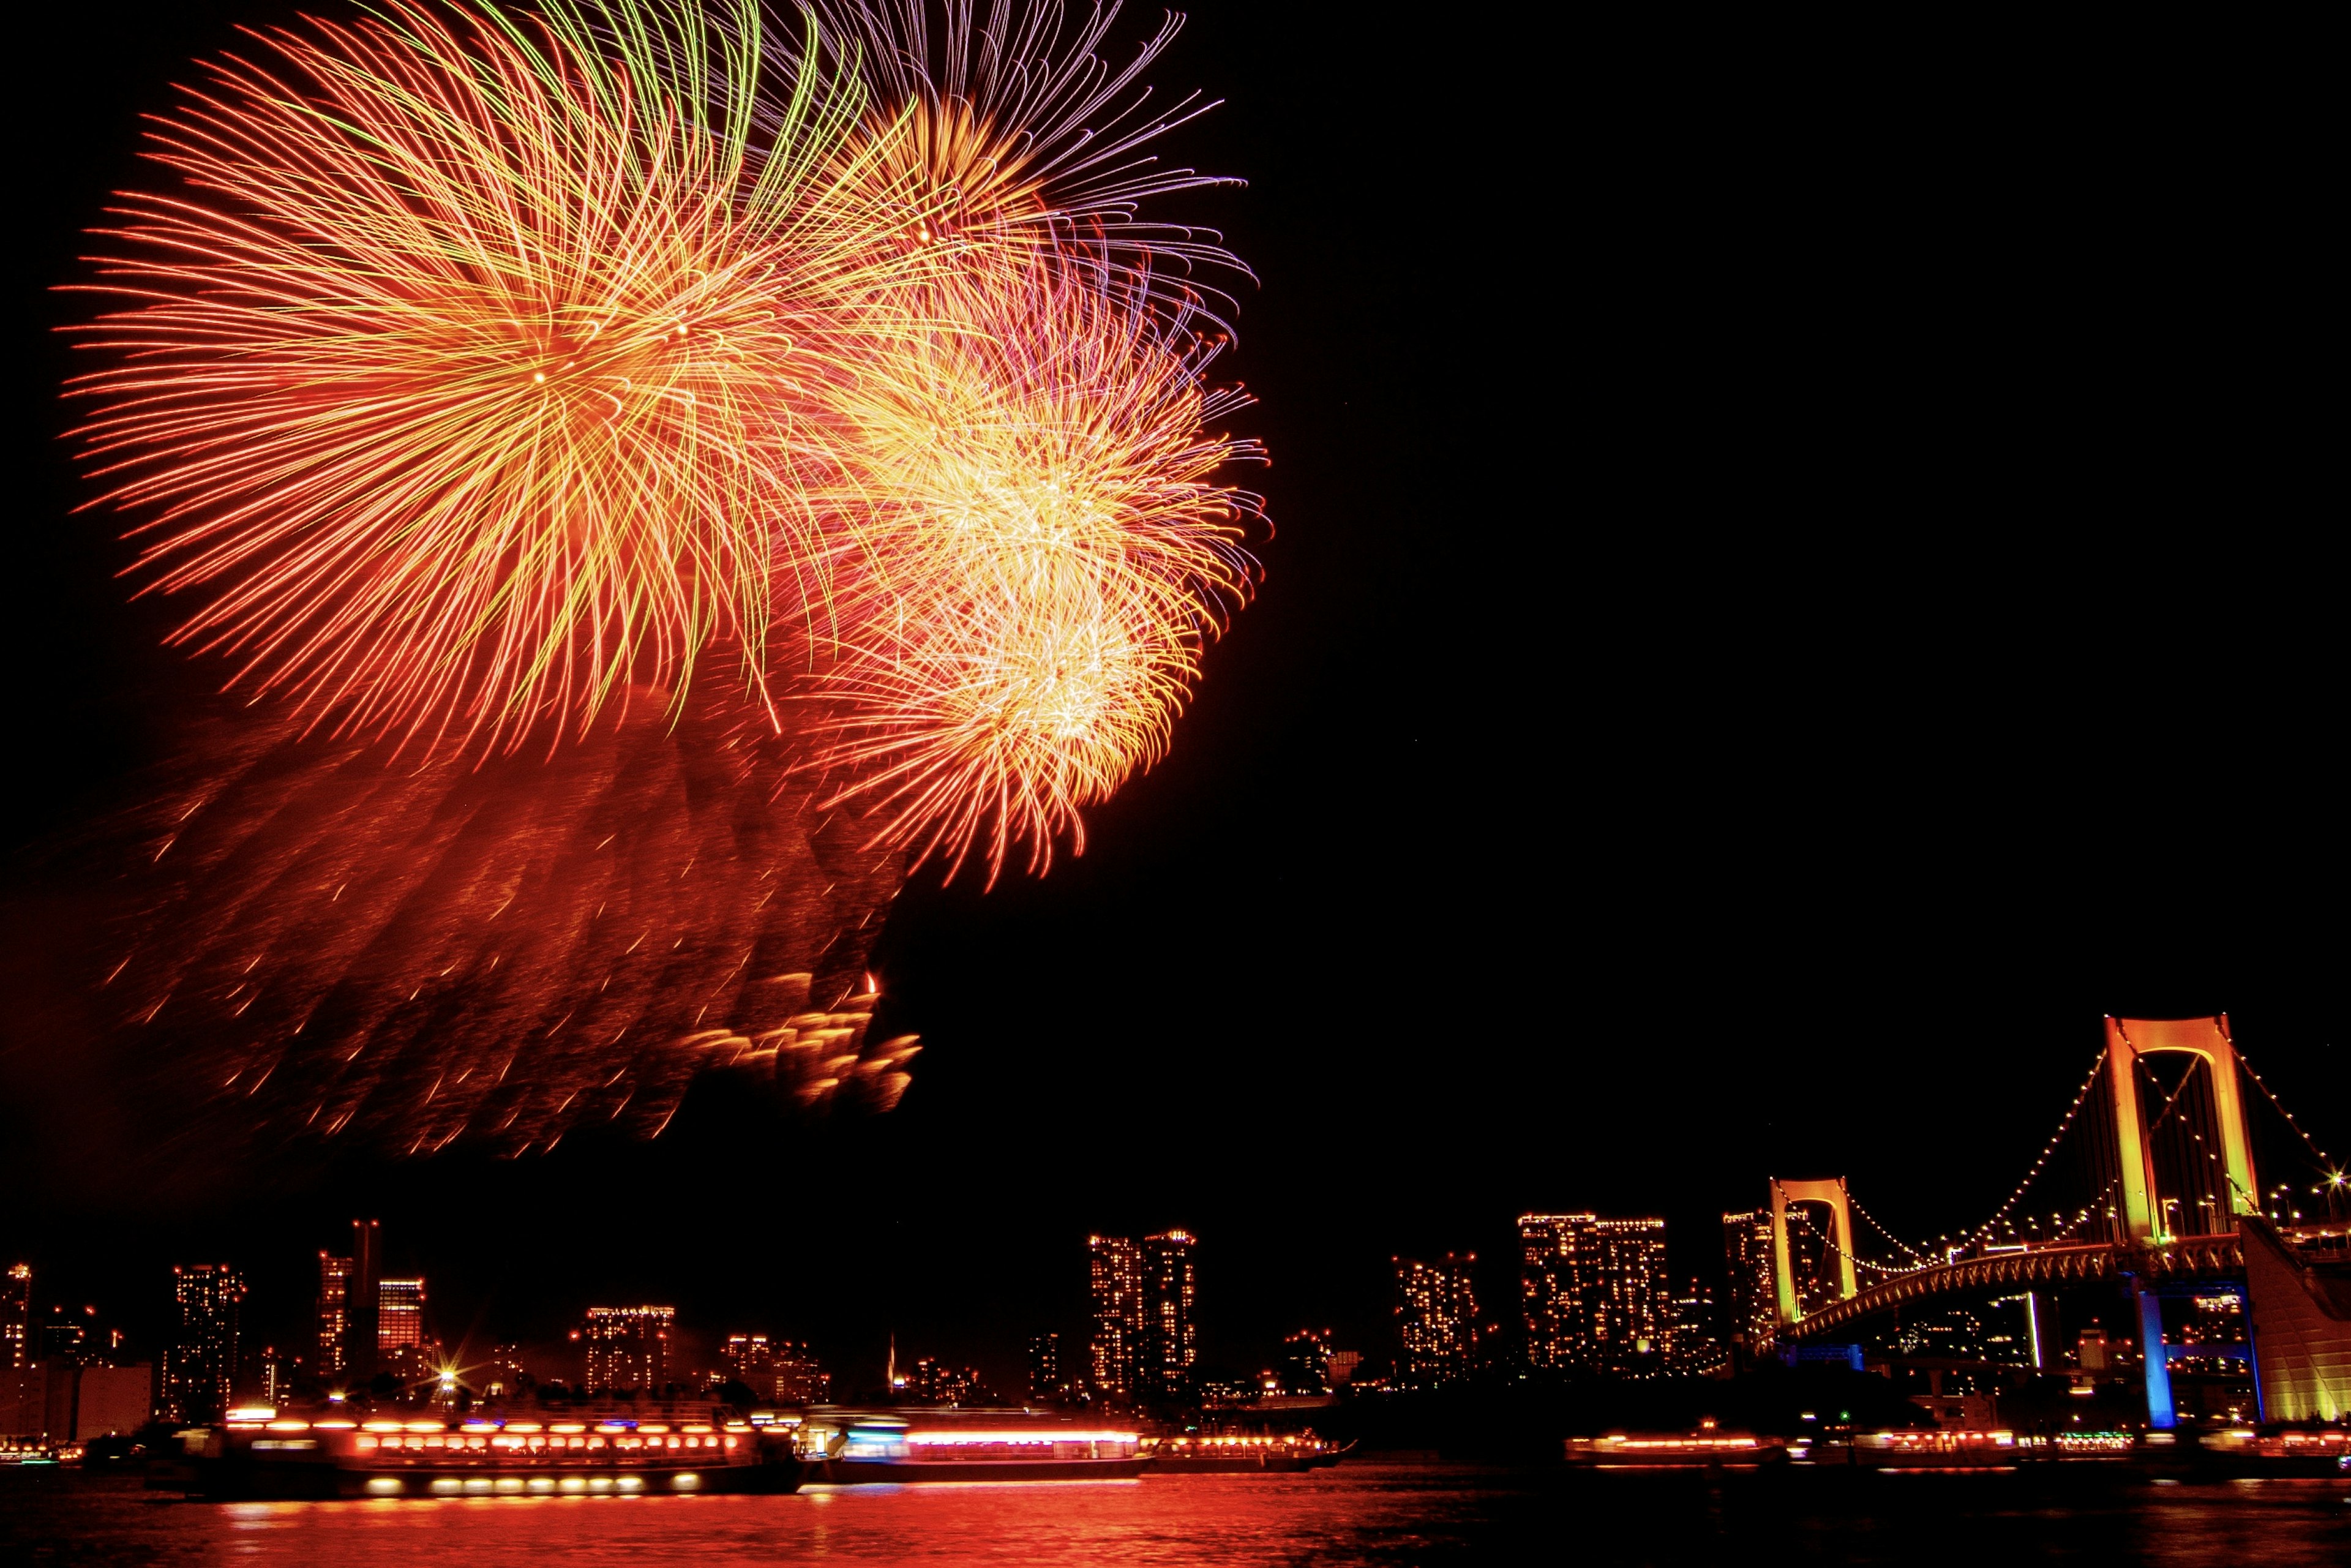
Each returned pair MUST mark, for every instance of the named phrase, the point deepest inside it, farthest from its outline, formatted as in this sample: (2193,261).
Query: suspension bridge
(2151,1190)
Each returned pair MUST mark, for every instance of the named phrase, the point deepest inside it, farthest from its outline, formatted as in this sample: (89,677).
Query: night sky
(1800,584)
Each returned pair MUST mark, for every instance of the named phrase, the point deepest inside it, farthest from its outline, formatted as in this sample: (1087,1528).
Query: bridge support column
(2127,1039)
(2159,1412)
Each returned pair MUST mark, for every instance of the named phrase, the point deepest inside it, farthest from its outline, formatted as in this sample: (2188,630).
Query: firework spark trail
(992,138)
(502,952)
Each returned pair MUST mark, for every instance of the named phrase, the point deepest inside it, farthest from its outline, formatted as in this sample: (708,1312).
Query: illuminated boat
(1214,1453)
(258,1452)
(1933,1450)
(897,1446)
(1704,1449)
(2277,1451)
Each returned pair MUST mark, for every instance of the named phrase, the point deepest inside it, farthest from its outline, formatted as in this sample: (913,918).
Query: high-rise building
(200,1368)
(1693,1342)
(936,1382)
(1145,1339)
(628,1347)
(334,1313)
(1305,1363)
(16,1348)
(1046,1383)
(363,1304)
(350,1306)
(1169,1343)
(1746,1259)
(399,1317)
(1115,1268)
(1558,1271)
(503,1375)
(1633,1302)
(800,1378)
(1436,1318)
(780,1371)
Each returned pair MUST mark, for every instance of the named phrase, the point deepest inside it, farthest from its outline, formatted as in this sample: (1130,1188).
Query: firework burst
(462,374)
(491,376)
(1053,550)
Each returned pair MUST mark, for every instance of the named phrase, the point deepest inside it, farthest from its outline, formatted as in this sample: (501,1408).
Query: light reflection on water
(1356,1516)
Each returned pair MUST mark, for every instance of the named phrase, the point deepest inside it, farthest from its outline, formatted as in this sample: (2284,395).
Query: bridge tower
(1831,1192)
(2127,1039)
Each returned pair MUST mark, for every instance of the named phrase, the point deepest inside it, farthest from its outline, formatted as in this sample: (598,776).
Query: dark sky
(1800,584)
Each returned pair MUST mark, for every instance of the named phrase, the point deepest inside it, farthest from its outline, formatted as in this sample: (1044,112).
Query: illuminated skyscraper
(1559,1272)
(1115,1267)
(1305,1363)
(502,1373)
(1746,1257)
(1046,1383)
(1692,1341)
(1633,1303)
(628,1347)
(200,1368)
(1436,1318)
(779,1370)
(1169,1343)
(16,1317)
(334,1313)
(399,1318)
(1144,1341)
(350,1306)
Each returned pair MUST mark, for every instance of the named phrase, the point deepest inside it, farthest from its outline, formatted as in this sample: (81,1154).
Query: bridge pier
(2160,1414)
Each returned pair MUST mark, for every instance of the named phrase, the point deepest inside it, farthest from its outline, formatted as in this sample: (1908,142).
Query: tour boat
(1704,1449)
(260,1452)
(854,1447)
(1233,1453)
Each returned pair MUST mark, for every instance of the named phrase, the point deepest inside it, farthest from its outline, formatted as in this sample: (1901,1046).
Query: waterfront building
(1342,1366)
(1632,1297)
(503,1375)
(800,1378)
(277,1376)
(1436,1318)
(17,1349)
(1559,1262)
(778,1370)
(1145,1342)
(936,1383)
(399,1318)
(200,1367)
(66,1337)
(1747,1260)
(1046,1383)
(334,1308)
(1115,1271)
(1169,1343)
(351,1305)
(1693,1344)
(1305,1363)
(628,1347)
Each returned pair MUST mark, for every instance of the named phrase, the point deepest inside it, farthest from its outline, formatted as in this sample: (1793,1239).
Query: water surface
(1359,1515)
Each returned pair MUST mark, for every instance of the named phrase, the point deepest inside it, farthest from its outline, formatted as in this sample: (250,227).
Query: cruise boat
(259,1451)
(1704,1449)
(1237,1453)
(850,1447)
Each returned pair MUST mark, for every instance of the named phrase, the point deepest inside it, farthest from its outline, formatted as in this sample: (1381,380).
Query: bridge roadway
(2184,1258)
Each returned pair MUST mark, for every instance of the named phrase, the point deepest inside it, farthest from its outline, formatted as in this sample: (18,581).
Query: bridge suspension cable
(2080,1097)
(2263,1084)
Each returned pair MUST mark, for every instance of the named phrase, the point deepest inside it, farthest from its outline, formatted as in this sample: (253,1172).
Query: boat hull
(898,1472)
(231,1477)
